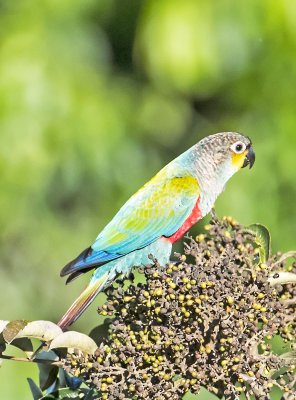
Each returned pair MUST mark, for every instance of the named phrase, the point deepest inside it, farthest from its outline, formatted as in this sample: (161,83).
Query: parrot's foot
(176,263)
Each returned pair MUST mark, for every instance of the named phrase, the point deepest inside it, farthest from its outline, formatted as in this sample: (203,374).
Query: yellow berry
(200,237)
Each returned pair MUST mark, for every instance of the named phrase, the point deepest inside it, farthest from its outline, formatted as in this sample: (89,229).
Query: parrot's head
(230,151)
(217,158)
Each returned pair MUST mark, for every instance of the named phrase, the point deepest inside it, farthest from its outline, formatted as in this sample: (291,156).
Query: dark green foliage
(262,238)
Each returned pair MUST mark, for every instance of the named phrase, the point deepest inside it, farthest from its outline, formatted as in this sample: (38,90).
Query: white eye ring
(238,147)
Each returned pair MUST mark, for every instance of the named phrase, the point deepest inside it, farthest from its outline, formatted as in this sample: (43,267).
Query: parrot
(159,214)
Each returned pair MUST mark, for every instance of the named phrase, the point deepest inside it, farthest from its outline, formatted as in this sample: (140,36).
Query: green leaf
(262,239)
(24,344)
(62,394)
(62,377)
(47,373)
(285,256)
(43,330)
(281,277)
(35,390)
(12,329)
(2,340)
(75,340)
(91,395)
(289,356)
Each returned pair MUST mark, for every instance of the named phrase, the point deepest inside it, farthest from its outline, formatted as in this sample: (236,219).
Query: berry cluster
(209,320)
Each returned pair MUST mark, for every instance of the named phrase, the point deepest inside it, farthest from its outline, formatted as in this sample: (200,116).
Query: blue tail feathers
(86,261)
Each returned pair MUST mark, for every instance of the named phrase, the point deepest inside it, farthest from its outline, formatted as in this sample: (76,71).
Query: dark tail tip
(71,267)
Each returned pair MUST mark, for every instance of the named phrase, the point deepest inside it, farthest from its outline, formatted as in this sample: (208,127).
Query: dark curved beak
(250,158)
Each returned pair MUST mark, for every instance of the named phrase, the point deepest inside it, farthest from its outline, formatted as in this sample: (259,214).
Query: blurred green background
(97,95)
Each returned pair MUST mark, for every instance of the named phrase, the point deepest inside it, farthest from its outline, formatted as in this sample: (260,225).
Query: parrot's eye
(238,147)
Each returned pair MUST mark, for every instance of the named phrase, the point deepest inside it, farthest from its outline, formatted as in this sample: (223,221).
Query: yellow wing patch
(162,200)
(161,203)
(152,210)
(117,236)
(238,159)
(186,183)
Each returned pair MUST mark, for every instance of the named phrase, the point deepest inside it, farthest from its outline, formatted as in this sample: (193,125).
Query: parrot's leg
(178,262)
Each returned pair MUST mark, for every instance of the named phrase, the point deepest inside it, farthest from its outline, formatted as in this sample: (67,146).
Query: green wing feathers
(158,209)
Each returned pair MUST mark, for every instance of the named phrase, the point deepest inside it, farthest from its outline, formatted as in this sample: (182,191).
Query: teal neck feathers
(210,173)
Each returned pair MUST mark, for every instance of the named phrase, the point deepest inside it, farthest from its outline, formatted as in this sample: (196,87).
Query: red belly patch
(191,220)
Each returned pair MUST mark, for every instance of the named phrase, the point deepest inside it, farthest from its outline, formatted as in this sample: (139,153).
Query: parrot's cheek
(238,160)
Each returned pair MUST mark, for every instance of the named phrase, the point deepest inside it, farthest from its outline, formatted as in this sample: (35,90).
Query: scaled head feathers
(216,159)
(225,150)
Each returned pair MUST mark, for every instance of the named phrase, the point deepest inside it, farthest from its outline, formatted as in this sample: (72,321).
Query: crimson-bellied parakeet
(159,214)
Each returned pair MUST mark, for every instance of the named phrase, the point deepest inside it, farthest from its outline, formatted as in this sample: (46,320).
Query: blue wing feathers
(86,260)
(97,257)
